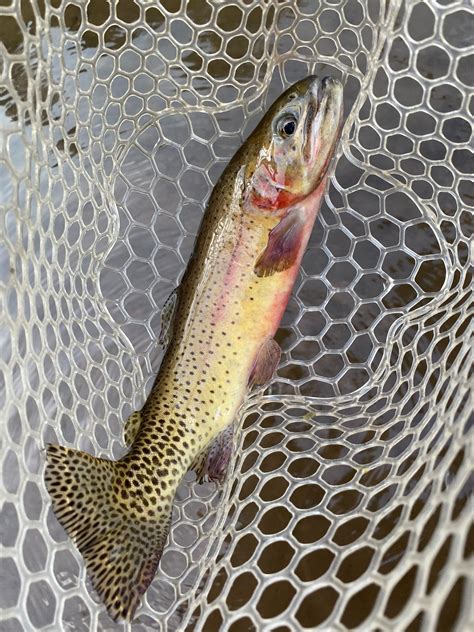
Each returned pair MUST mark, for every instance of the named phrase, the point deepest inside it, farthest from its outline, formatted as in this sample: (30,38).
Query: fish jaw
(323,131)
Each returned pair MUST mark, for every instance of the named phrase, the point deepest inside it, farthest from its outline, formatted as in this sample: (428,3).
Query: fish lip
(324,95)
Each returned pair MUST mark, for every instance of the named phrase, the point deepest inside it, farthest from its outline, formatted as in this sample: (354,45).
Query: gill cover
(288,176)
(296,141)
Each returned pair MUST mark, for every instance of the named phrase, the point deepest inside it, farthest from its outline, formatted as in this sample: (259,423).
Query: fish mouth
(322,122)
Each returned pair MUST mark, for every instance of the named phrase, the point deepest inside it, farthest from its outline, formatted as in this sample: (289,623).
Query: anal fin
(265,363)
(283,246)
(211,464)
(199,463)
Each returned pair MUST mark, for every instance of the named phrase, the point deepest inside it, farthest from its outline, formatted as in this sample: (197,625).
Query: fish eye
(286,126)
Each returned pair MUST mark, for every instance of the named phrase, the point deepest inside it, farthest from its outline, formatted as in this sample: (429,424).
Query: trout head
(288,154)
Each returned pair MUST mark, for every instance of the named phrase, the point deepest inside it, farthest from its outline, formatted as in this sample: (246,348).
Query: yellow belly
(204,376)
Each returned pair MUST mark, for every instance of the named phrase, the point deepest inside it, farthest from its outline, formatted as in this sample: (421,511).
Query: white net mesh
(347,504)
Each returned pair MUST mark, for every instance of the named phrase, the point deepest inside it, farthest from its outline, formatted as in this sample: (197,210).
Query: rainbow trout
(219,326)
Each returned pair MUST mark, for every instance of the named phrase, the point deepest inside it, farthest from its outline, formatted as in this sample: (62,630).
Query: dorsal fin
(131,427)
(167,318)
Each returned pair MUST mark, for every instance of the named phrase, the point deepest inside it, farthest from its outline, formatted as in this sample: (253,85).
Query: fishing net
(347,502)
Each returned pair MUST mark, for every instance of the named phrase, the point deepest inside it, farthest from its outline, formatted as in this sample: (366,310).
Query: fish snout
(332,91)
(323,90)
(329,81)
(322,126)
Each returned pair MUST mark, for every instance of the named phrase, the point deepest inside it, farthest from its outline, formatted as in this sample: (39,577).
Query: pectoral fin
(283,246)
(265,363)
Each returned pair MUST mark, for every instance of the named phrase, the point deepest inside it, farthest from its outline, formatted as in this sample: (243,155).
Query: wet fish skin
(220,330)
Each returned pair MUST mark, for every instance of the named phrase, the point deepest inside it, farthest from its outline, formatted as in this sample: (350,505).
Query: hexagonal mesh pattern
(347,503)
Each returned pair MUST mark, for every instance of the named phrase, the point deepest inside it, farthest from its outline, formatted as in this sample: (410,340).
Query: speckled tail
(121,551)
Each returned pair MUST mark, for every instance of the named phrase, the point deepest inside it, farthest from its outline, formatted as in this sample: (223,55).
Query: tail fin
(121,549)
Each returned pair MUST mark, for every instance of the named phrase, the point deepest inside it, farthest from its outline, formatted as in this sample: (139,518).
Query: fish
(218,328)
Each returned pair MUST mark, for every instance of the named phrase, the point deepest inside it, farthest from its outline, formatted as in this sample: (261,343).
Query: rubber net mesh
(347,503)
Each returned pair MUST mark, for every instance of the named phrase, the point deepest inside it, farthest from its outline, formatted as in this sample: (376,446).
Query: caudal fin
(121,550)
